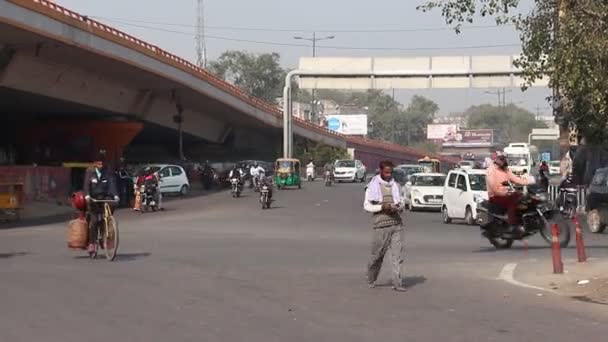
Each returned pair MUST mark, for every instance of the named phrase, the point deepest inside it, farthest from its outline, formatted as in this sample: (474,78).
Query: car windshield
(466,163)
(345,163)
(428,180)
(410,170)
(555,164)
(478,182)
(517,159)
(285,164)
(399,176)
(599,179)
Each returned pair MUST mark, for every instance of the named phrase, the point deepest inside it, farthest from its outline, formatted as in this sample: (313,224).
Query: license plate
(434,200)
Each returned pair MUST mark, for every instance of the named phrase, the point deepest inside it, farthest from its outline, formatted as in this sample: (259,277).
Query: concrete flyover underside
(60,54)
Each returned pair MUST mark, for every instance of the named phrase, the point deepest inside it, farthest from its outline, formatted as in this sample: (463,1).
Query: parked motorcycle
(235,183)
(265,198)
(534,211)
(328,180)
(148,198)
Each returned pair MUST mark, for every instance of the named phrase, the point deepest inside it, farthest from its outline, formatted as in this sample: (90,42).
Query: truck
(522,157)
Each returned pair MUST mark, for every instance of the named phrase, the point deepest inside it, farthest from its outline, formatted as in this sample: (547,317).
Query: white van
(462,189)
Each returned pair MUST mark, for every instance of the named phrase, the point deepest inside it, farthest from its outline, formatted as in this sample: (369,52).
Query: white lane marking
(506,274)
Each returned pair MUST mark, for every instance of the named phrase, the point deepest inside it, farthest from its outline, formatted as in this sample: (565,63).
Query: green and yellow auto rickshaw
(287,173)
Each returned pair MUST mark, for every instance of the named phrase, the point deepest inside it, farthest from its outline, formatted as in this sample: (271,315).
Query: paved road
(217,269)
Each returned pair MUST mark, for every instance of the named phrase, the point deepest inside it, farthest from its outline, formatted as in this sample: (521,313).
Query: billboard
(471,138)
(348,124)
(441,131)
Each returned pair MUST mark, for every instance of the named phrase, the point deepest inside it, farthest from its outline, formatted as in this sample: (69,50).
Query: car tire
(184,190)
(445,216)
(594,221)
(468,216)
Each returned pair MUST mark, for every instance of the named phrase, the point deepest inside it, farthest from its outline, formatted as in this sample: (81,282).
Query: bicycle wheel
(110,238)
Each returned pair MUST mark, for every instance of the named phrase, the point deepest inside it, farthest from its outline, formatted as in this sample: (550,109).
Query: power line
(320,46)
(261,29)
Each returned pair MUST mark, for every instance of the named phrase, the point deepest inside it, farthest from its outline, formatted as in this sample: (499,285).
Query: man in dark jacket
(99,184)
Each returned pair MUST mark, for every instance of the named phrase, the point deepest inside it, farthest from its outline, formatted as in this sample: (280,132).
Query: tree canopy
(388,119)
(565,40)
(260,75)
(510,123)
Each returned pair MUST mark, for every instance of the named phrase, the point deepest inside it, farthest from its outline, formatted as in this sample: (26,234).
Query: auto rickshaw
(431,165)
(287,173)
(11,200)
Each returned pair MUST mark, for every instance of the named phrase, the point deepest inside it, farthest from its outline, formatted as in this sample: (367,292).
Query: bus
(522,157)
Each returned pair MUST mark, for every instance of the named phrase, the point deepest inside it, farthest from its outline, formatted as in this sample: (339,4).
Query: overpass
(55,60)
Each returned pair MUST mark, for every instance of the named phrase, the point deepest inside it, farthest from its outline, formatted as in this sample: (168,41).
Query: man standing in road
(383,200)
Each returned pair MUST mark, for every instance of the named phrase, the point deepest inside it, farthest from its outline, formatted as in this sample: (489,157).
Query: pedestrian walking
(383,201)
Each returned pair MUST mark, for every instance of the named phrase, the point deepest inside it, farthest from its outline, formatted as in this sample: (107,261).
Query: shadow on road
(10,255)
(131,256)
(407,282)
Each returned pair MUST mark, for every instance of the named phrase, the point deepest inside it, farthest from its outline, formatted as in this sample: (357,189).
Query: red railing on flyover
(75,19)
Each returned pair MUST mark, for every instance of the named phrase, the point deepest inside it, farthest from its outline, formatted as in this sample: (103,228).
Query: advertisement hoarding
(441,131)
(471,138)
(348,124)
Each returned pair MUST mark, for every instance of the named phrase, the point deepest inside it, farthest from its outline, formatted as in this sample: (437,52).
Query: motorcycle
(257,181)
(328,180)
(310,173)
(148,198)
(265,199)
(534,211)
(568,200)
(236,187)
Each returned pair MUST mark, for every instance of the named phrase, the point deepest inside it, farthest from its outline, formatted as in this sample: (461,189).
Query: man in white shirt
(383,201)
(255,172)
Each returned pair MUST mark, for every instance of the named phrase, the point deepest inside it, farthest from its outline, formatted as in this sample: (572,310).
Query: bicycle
(107,235)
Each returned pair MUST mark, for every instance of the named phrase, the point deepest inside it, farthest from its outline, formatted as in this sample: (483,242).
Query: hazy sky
(421,34)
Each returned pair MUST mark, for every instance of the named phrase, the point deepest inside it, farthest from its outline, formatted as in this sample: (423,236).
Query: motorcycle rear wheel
(501,243)
(564,234)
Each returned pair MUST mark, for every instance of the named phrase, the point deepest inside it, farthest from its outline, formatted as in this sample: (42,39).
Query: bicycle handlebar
(103,201)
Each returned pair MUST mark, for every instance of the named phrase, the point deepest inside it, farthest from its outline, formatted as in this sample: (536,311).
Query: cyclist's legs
(94,217)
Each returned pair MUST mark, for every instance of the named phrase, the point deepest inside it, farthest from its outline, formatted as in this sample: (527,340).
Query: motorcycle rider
(543,172)
(255,172)
(499,194)
(99,184)
(329,167)
(237,173)
(151,179)
(310,169)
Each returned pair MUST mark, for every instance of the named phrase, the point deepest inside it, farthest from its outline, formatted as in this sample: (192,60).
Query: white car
(462,191)
(424,191)
(173,179)
(349,171)
(554,167)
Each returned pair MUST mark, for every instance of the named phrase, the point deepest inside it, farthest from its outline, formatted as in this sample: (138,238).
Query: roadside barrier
(580,245)
(581,197)
(558,265)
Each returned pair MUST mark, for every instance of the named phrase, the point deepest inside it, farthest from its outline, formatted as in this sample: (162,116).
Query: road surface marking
(507,273)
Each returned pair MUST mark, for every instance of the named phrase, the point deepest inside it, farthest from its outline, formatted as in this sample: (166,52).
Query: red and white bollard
(580,245)
(558,265)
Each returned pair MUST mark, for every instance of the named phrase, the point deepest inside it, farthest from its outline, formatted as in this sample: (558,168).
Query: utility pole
(201,46)
(314,39)
(393,123)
